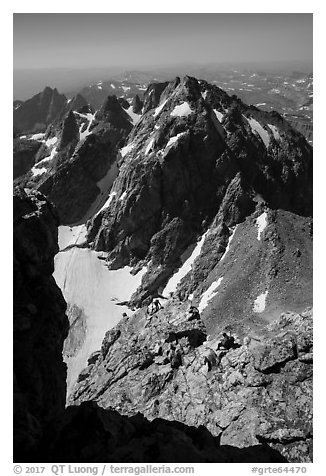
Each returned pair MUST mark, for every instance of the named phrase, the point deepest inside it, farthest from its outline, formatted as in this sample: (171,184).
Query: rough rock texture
(137,105)
(24,155)
(37,113)
(280,264)
(77,103)
(111,437)
(258,392)
(195,158)
(43,430)
(40,325)
(78,176)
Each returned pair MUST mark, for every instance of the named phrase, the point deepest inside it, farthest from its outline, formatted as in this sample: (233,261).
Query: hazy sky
(50,40)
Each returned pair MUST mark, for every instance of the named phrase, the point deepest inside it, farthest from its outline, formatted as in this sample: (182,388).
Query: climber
(175,358)
(193,313)
(227,342)
(157,305)
(210,358)
(124,314)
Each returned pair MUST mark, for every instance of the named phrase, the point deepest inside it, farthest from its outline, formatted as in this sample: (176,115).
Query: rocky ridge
(260,392)
(197,156)
(35,114)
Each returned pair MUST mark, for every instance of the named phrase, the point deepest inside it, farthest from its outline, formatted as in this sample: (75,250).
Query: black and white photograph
(162,239)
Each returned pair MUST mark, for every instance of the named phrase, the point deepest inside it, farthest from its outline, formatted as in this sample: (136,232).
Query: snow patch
(275,131)
(82,135)
(133,116)
(186,266)
(218,114)
(182,110)
(159,108)
(261,222)
(125,88)
(123,196)
(38,137)
(261,104)
(126,149)
(108,202)
(204,94)
(257,128)
(209,294)
(229,242)
(174,139)
(51,141)
(112,86)
(38,171)
(49,157)
(149,146)
(260,302)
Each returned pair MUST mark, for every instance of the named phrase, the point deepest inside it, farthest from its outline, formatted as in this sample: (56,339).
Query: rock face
(197,156)
(78,162)
(24,155)
(40,325)
(77,102)
(137,105)
(37,113)
(259,392)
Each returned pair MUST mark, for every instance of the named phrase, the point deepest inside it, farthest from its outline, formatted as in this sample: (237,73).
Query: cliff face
(40,325)
(37,113)
(195,156)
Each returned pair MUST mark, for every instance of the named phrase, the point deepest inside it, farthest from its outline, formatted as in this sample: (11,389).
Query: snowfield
(71,235)
(86,282)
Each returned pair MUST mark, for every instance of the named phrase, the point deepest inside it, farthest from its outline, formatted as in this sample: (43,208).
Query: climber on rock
(227,343)
(157,305)
(193,313)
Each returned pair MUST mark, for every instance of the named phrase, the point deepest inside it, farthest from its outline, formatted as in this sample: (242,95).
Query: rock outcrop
(258,392)
(40,325)
(24,155)
(35,114)
(77,163)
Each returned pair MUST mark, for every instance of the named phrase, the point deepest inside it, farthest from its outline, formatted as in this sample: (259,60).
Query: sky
(76,40)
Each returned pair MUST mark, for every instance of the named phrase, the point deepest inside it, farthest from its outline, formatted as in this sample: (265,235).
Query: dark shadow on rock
(90,434)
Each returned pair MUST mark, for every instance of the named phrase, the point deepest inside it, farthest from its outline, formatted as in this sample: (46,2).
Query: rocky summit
(35,114)
(185,260)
